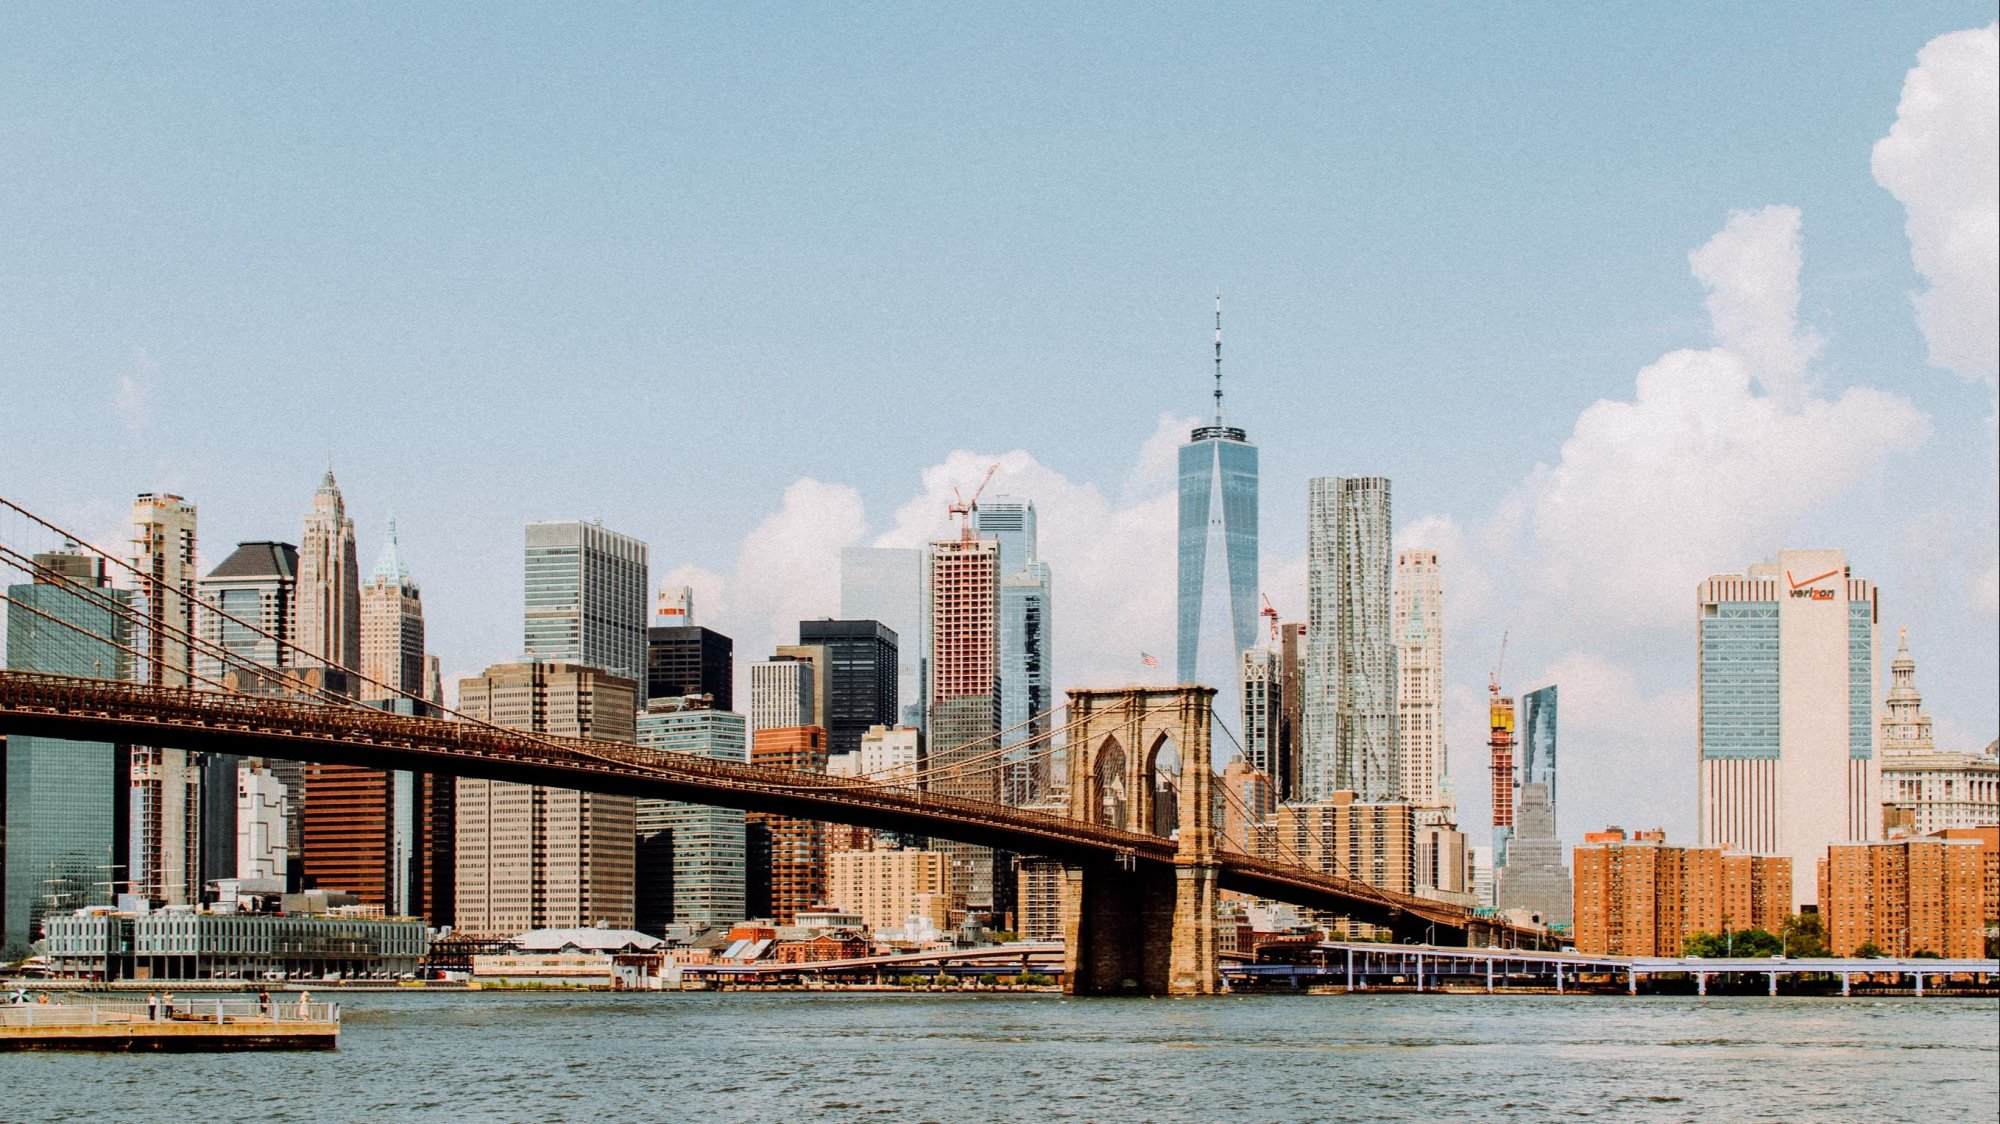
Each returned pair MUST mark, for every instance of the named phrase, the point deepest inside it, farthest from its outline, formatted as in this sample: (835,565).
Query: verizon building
(1786,673)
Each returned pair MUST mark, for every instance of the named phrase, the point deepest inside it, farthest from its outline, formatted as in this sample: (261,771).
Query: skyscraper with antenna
(1217,587)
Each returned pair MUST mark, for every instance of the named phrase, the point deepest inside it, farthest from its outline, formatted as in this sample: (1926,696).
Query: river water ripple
(809,1056)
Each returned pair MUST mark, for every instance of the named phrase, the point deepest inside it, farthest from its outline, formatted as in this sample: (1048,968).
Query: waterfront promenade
(192,1025)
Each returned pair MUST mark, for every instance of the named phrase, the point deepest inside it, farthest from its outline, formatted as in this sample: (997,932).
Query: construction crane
(963,508)
(1493,680)
(1267,611)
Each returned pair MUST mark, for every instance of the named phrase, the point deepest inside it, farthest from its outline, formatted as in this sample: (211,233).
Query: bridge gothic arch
(1141,756)
(1108,794)
(1162,775)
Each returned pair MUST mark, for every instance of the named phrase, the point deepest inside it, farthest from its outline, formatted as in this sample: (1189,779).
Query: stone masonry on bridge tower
(1139,760)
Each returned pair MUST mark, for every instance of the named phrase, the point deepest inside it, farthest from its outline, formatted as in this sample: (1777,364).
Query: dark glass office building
(690,660)
(861,678)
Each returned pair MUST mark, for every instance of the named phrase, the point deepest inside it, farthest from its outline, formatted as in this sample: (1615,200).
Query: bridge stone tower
(1139,760)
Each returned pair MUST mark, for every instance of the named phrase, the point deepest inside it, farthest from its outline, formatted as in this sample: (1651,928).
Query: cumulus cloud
(1111,562)
(787,569)
(1716,457)
(1699,473)
(1941,160)
(1751,271)
(1159,457)
(1468,584)
(1113,593)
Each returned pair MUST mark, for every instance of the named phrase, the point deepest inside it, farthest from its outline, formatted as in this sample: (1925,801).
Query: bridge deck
(109,711)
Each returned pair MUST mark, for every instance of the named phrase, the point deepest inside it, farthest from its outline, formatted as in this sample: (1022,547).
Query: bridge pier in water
(1133,930)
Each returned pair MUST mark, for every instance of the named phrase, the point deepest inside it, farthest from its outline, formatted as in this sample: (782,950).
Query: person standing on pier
(152,1007)
(305,997)
(264,1003)
(167,1005)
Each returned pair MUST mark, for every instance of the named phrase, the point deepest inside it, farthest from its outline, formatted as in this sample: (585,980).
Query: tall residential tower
(1419,631)
(166,814)
(1350,688)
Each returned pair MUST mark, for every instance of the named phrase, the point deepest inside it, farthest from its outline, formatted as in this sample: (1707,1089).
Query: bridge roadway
(212,721)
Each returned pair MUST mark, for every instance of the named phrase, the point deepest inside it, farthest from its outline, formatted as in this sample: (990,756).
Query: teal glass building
(66,809)
(1218,547)
(703,846)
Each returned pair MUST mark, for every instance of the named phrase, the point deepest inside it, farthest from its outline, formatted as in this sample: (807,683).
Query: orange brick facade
(1643,897)
(789,854)
(1905,896)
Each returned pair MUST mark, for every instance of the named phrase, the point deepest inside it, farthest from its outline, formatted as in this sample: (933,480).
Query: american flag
(1149,661)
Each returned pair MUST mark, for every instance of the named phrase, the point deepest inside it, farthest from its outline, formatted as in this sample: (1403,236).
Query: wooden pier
(191,1025)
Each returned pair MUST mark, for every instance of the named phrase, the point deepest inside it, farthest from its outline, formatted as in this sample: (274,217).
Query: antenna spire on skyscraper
(1218,358)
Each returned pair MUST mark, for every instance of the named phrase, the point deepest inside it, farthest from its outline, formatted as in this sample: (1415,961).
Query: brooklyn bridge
(1143,856)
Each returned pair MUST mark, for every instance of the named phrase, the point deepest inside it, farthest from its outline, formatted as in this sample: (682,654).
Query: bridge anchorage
(1139,760)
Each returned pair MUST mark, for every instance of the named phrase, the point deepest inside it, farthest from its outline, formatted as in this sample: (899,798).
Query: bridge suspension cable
(297,685)
(1282,849)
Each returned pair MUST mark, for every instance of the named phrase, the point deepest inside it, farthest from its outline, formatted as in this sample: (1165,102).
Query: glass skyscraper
(1531,875)
(860,676)
(65,800)
(1350,677)
(1027,673)
(1536,755)
(1216,594)
(707,844)
(586,597)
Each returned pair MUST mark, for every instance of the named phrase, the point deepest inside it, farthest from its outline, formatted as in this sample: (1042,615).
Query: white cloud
(1468,585)
(1751,271)
(711,596)
(787,569)
(1715,459)
(1159,457)
(1113,593)
(1699,473)
(788,566)
(1941,160)
(1111,562)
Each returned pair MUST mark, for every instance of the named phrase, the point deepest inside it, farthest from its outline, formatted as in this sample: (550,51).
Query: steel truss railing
(25,694)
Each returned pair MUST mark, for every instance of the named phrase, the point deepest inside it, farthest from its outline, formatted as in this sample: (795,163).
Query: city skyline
(1525,528)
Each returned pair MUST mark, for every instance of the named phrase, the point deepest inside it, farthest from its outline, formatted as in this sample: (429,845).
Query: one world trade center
(1217,596)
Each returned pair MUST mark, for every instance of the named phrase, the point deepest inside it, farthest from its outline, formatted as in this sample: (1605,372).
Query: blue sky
(672,268)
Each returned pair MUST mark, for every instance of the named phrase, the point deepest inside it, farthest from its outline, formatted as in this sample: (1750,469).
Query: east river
(810,1056)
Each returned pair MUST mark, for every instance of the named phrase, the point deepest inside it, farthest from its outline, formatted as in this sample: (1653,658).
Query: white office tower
(1785,666)
(260,823)
(781,694)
